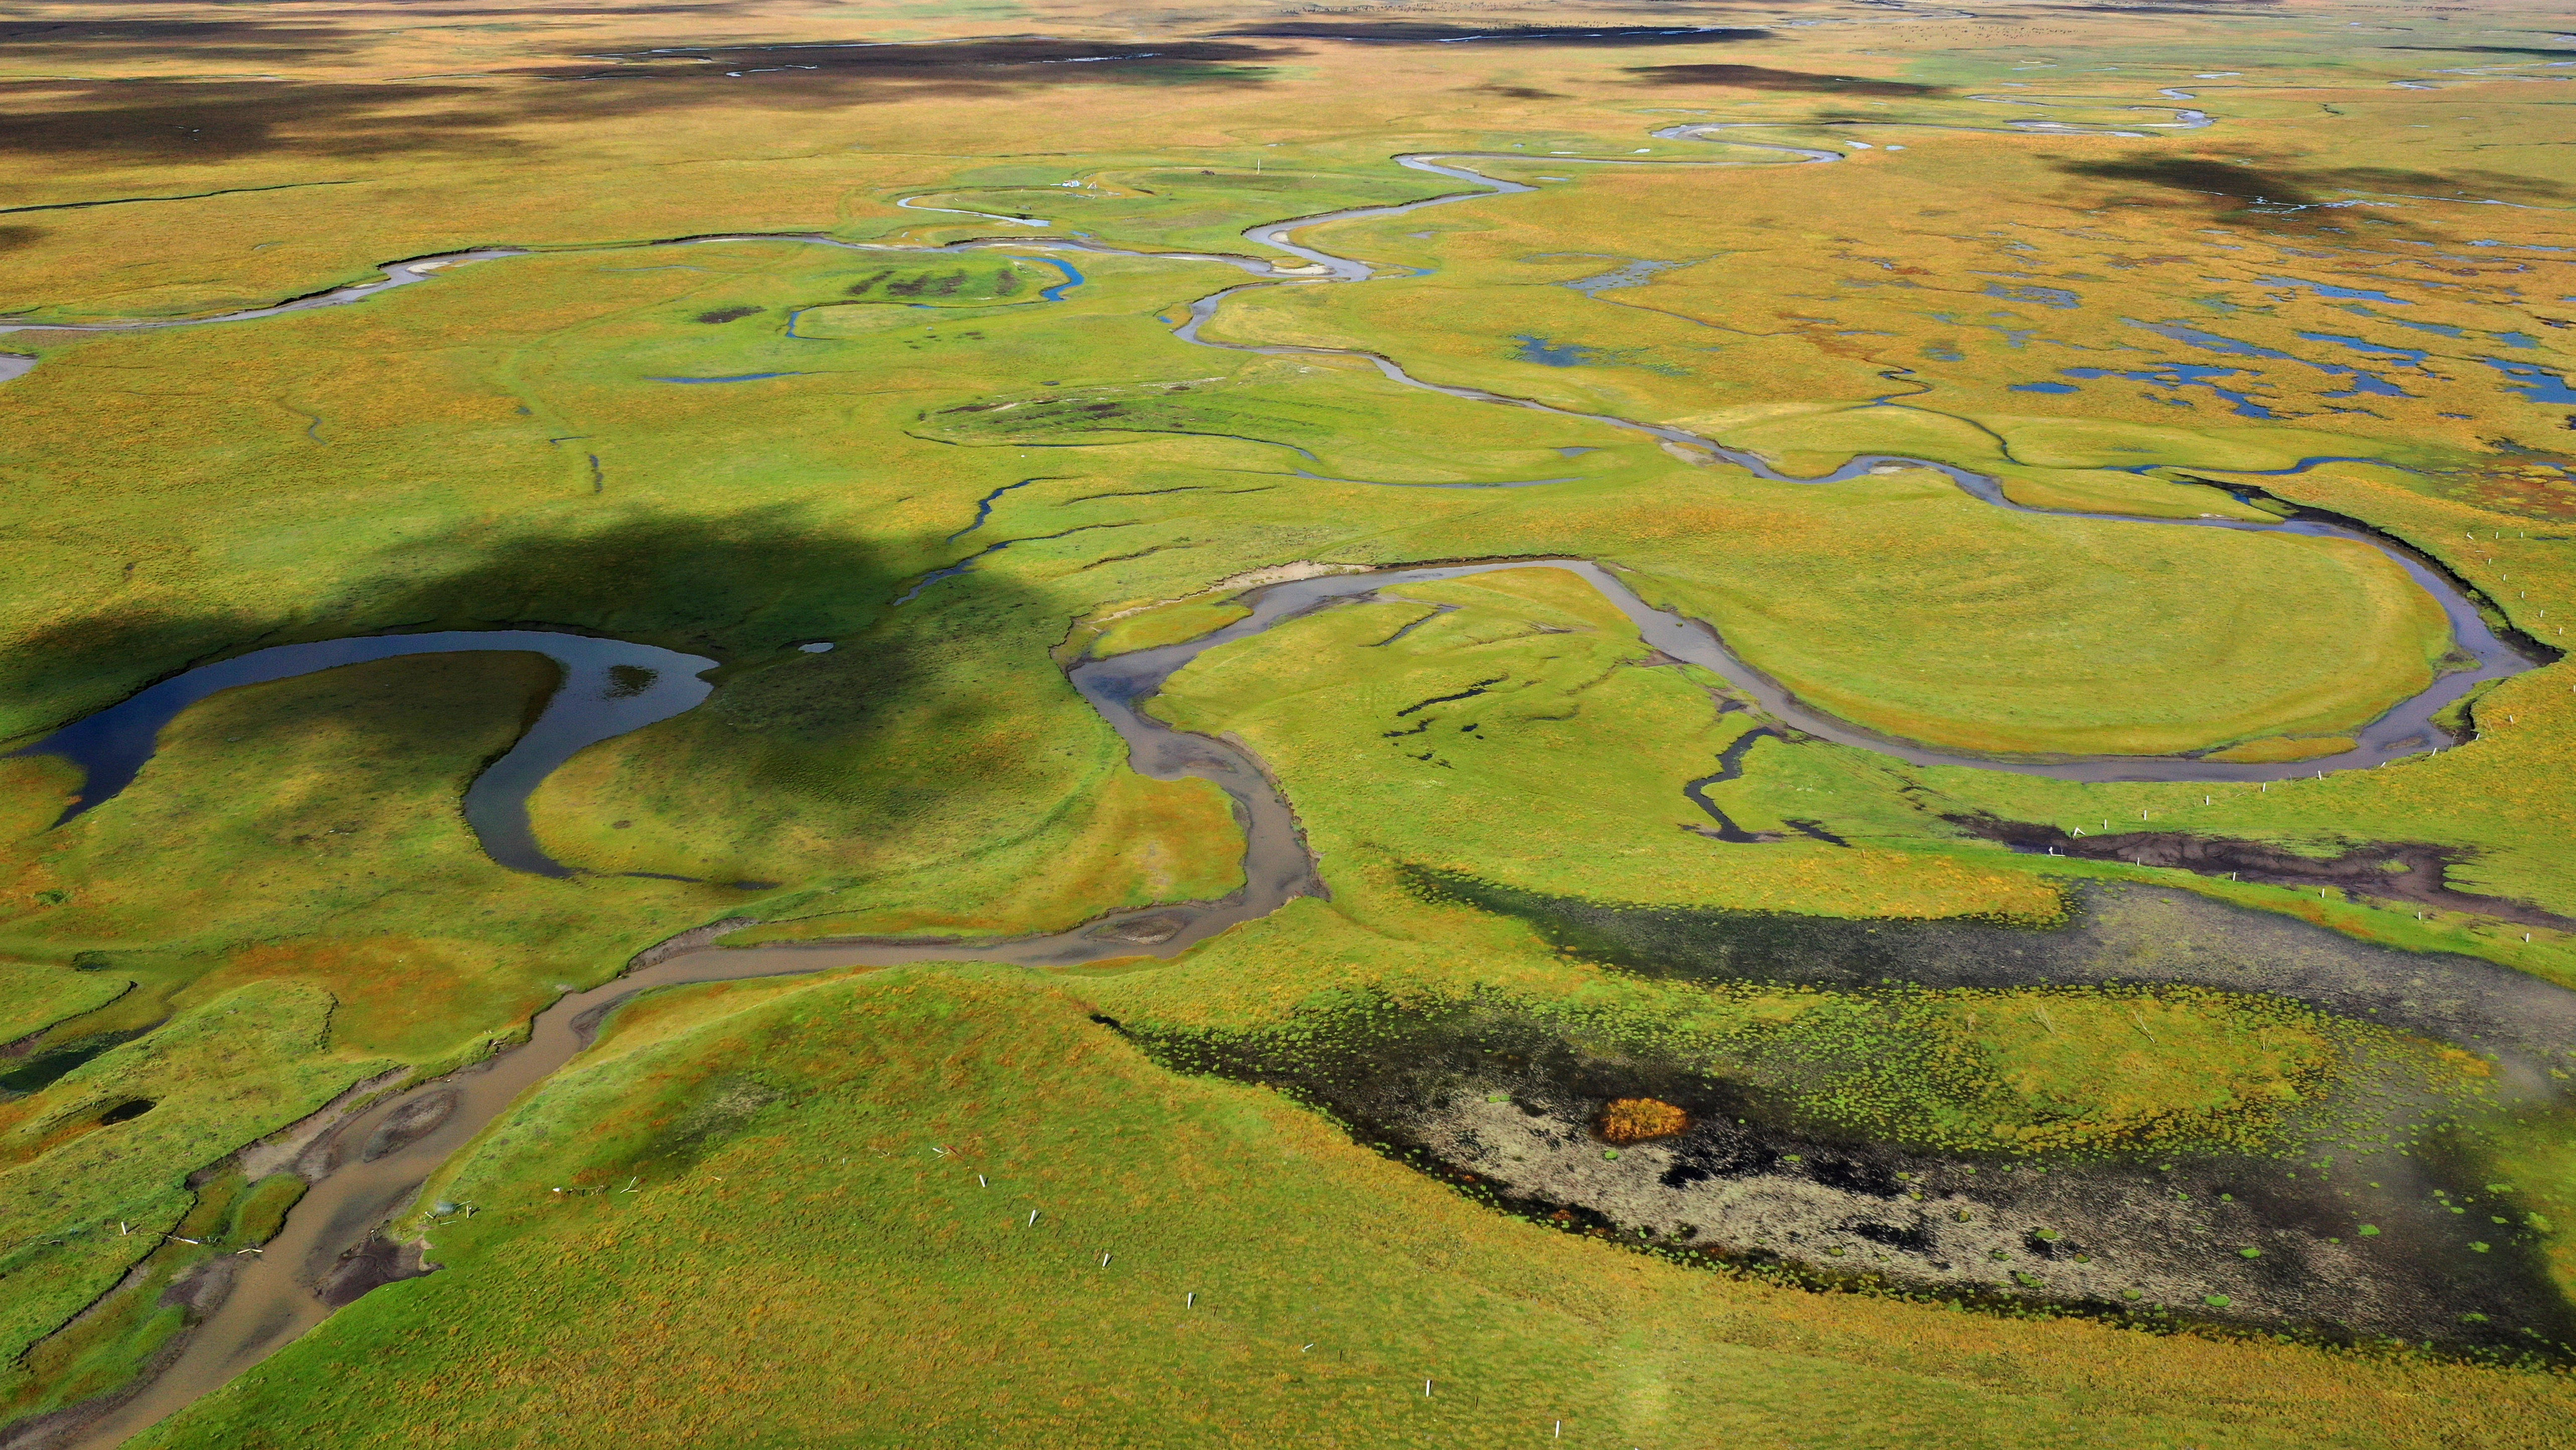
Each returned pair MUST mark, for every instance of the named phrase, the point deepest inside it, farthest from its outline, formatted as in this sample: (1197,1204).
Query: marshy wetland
(1430,733)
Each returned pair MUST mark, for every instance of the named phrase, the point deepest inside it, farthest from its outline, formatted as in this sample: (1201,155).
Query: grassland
(742,447)
(789,1220)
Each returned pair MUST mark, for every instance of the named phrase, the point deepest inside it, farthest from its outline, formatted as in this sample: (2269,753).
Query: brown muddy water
(368,1168)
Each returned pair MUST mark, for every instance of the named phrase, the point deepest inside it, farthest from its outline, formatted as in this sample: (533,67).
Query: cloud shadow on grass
(2216,7)
(1764,78)
(44,44)
(859,728)
(2284,195)
(167,119)
(1424,32)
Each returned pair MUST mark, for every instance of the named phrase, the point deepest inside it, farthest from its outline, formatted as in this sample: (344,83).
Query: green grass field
(751,1173)
(962,484)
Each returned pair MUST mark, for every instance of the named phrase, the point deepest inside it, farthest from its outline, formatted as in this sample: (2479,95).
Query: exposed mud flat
(2247,1243)
(374,1263)
(2115,933)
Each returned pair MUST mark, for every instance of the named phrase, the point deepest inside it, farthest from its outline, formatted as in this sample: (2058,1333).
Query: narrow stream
(274,1298)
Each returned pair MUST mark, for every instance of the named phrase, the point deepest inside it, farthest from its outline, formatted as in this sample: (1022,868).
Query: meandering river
(612,687)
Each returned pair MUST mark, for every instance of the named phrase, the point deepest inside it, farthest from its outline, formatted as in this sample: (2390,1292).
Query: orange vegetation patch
(411,997)
(1634,1120)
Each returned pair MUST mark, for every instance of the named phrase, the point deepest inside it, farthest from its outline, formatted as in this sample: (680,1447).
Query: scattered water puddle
(1547,353)
(1631,274)
(2183,375)
(2328,289)
(2416,356)
(2533,383)
(2041,296)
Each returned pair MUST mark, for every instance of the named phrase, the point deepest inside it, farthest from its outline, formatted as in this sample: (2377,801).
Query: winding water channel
(371,1165)
(609,688)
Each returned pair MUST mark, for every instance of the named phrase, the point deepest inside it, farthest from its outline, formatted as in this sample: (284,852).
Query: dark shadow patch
(165,119)
(2113,934)
(50,44)
(1410,32)
(125,1112)
(19,238)
(2285,195)
(2385,870)
(2219,7)
(1912,1238)
(722,1109)
(1764,78)
(729,314)
(370,1266)
(797,731)
(972,65)
(43,1069)
(2552,52)
(160,119)
(1519,93)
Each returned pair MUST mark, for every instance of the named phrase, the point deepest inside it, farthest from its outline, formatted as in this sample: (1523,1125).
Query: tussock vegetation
(1635,1120)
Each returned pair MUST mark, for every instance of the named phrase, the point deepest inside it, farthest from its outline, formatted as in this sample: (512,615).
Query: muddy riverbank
(2359,1249)
(367,1166)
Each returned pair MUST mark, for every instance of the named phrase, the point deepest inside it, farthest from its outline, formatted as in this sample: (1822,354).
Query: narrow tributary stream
(273,1299)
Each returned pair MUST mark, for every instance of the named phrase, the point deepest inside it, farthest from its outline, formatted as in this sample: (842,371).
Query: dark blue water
(2369,385)
(734,378)
(609,688)
(1555,354)
(983,511)
(2043,388)
(2183,375)
(2377,349)
(2208,341)
(2438,329)
(2325,289)
(2531,382)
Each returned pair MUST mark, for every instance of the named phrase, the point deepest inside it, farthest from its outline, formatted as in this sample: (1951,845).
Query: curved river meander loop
(612,687)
